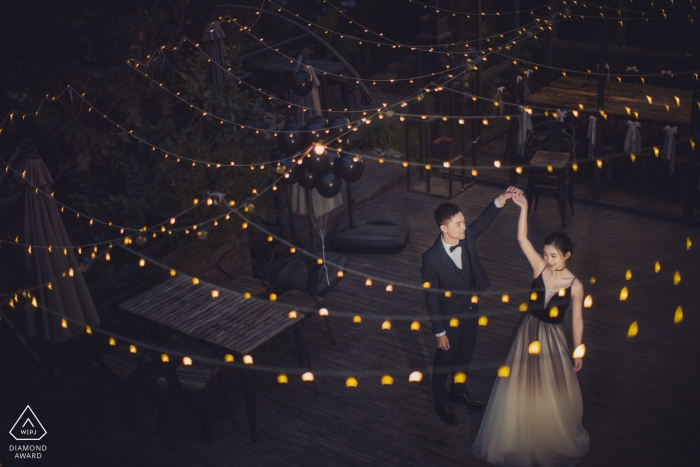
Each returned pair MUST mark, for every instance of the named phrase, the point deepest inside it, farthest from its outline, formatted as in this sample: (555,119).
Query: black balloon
(301,83)
(328,184)
(293,169)
(307,180)
(338,125)
(314,130)
(350,167)
(315,163)
(290,139)
(318,119)
(333,158)
(277,154)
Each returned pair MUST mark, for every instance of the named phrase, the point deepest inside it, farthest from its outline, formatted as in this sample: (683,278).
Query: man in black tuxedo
(453,264)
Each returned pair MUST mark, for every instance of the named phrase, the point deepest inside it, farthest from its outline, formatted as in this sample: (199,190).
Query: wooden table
(566,93)
(558,162)
(229,323)
(282,66)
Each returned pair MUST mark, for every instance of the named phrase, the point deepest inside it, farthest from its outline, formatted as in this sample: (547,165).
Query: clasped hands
(513,193)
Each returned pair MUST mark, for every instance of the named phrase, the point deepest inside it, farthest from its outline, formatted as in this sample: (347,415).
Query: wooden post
(601,104)
(513,135)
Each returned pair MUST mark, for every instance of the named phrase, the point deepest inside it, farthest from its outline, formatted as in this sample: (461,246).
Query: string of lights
(564,71)
(504,13)
(661,15)
(425,287)
(522,36)
(229,359)
(396,44)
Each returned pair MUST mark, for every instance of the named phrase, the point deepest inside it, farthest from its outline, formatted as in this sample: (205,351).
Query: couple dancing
(533,417)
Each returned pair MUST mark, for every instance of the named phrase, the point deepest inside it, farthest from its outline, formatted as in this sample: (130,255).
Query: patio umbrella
(214,46)
(68,298)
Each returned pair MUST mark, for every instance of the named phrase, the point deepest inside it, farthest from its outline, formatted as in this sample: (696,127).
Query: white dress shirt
(456,255)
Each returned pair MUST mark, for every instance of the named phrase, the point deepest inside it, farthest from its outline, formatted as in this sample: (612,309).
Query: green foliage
(104,171)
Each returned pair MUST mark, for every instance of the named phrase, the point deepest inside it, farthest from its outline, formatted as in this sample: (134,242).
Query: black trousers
(457,358)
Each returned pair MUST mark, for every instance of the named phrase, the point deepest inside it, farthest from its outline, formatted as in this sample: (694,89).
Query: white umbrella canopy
(67,302)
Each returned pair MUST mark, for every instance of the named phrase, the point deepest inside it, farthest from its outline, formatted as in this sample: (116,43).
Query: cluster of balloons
(320,168)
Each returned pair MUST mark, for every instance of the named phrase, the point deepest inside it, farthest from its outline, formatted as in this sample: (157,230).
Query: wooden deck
(640,394)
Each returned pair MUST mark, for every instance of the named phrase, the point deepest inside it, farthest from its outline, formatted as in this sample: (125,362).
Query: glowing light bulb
(323,312)
(351,382)
(307,377)
(580,351)
(523,307)
(588,301)
(678,316)
(534,348)
(292,314)
(676,278)
(187,361)
(483,320)
(628,274)
(282,379)
(460,378)
(624,293)
(387,380)
(247,359)
(357,319)
(503,372)
(633,329)
(319,149)
(415,377)
(415,326)
(386,325)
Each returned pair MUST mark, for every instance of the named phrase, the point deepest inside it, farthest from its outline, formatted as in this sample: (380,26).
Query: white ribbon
(528,87)
(499,99)
(667,72)
(592,123)
(631,68)
(560,115)
(669,148)
(524,129)
(633,140)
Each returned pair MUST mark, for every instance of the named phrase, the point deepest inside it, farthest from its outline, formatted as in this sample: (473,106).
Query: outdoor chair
(297,279)
(552,137)
(119,364)
(191,382)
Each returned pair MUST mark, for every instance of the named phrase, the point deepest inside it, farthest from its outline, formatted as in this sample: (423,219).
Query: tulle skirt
(533,417)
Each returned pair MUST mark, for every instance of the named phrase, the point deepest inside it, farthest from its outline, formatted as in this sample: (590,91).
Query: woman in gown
(533,417)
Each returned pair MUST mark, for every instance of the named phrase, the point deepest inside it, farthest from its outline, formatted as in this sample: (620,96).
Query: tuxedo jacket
(442,273)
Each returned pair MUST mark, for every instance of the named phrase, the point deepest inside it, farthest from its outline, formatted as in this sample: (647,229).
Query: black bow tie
(454,247)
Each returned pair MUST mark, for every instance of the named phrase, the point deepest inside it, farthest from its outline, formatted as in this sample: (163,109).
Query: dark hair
(560,241)
(445,212)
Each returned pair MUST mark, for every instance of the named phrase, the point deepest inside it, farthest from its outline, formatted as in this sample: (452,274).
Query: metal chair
(552,136)
(190,382)
(120,364)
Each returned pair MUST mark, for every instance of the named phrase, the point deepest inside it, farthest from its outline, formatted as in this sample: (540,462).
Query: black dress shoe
(467,400)
(446,414)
